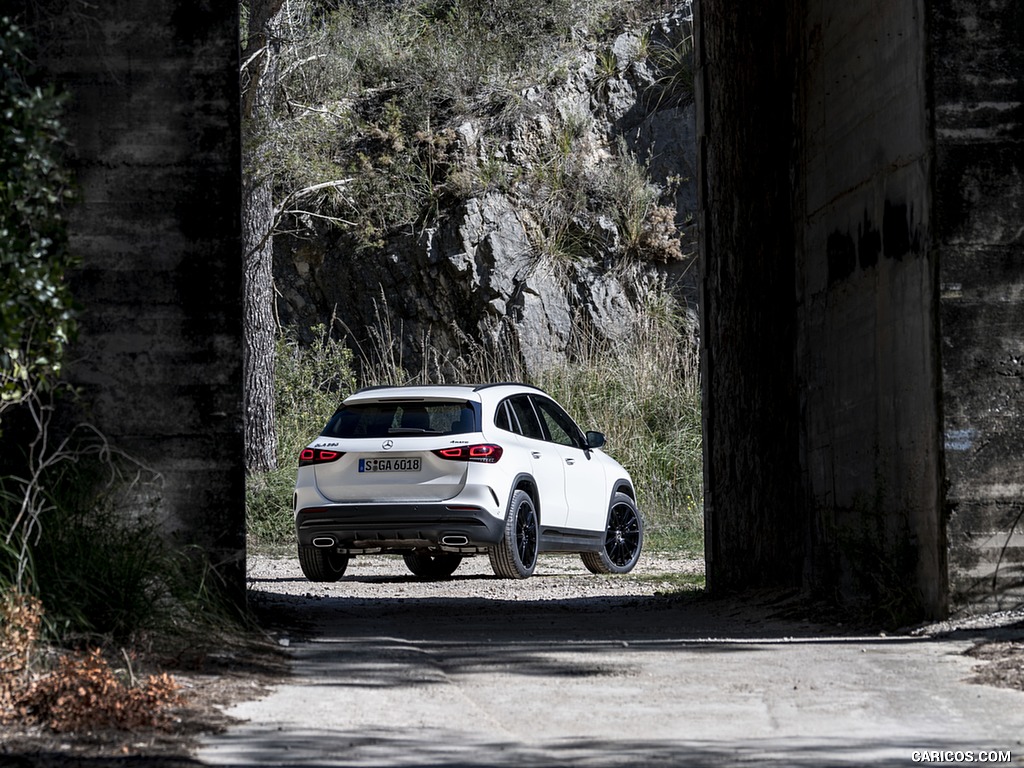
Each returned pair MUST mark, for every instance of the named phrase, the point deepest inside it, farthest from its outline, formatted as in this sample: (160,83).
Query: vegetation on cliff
(372,99)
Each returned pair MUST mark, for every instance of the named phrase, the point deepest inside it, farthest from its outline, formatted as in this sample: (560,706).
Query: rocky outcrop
(473,280)
(484,271)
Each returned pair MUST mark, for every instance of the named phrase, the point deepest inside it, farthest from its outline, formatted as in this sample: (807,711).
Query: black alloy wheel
(515,556)
(623,539)
(322,564)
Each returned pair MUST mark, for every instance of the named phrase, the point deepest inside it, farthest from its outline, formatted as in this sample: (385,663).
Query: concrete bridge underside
(863,276)
(860,212)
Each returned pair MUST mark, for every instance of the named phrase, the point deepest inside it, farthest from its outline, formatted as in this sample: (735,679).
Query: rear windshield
(403,418)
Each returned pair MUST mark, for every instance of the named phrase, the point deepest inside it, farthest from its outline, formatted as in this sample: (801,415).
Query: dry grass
(81,692)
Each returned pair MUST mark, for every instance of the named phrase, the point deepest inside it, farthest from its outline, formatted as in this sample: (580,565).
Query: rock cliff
(564,215)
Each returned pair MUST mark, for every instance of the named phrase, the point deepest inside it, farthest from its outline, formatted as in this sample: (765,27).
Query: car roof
(476,392)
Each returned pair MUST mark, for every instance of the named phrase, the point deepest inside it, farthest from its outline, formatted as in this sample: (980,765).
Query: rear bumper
(361,527)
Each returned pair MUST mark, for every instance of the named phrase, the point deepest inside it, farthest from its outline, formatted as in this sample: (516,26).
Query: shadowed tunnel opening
(843,153)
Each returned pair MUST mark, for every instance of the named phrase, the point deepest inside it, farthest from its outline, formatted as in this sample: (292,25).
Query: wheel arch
(525,482)
(622,485)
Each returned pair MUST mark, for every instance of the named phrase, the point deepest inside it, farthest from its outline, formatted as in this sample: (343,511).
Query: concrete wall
(823,460)
(978,65)
(868,367)
(153,113)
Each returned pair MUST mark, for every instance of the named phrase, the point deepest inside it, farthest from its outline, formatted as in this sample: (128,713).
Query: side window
(523,411)
(501,420)
(560,426)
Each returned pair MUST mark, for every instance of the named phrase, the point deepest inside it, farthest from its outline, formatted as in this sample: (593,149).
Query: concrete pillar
(867,294)
(745,125)
(979,135)
(153,114)
(823,461)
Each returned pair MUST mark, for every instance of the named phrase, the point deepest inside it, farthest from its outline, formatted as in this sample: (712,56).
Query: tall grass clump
(79,532)
(642,390)
(673,63)
(311,379)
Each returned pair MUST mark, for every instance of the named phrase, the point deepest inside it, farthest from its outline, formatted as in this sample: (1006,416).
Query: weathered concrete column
(979,223)
(821,374)
(868,355)
(153,115)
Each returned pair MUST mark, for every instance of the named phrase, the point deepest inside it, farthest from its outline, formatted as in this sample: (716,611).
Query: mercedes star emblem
(387,444)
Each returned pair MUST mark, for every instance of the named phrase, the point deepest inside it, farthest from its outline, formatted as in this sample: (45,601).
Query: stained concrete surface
(567,668)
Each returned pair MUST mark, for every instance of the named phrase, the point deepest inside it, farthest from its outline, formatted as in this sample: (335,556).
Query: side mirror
(595,439)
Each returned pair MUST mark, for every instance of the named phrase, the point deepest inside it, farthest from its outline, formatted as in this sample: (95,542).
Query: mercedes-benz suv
(438,473)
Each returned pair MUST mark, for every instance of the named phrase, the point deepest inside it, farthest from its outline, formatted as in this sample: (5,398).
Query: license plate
(389,465)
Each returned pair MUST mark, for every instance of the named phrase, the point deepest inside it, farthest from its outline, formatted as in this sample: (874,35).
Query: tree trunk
(259,328)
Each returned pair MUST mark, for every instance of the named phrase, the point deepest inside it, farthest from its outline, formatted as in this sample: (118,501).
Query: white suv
(435,473)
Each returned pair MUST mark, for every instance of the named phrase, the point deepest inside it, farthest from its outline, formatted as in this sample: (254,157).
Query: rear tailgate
(406,470)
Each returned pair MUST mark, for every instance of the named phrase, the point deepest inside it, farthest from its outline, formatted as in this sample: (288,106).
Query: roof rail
(373,387)
(478,387)
(474,387)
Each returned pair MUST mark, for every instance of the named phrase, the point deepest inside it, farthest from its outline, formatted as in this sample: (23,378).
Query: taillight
(485,453)
(309,456)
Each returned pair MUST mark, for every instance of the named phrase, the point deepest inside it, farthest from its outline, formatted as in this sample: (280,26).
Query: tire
(322,564)
(515,556)
(623,539)
(429,565)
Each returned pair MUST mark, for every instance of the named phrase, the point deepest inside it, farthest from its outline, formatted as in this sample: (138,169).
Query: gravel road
(568,668)
(558,577)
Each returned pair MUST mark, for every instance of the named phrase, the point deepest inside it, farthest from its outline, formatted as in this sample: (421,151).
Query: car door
(546,463)
(586,497)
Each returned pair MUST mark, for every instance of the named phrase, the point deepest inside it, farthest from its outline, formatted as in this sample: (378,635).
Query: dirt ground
(212,676)
(227,672)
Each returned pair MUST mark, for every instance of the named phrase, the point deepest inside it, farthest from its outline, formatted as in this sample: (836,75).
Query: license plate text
(389,465)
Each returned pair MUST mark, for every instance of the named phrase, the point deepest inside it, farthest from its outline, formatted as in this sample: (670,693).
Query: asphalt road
(570,669)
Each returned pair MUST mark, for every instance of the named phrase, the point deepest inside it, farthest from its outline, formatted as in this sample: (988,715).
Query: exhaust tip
(453,540)
(323,542)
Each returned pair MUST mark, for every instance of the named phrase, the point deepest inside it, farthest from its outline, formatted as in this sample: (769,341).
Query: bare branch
(291,197)
(283,208)
(311,214)
(295,65)
(315,110)
(256,54)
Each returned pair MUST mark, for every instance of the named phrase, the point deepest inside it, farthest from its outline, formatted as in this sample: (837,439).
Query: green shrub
(80,534)
(35,186)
